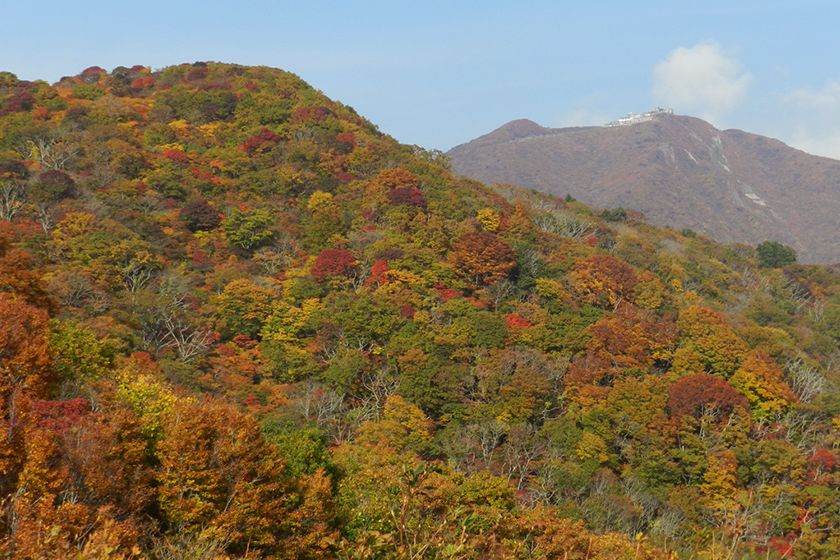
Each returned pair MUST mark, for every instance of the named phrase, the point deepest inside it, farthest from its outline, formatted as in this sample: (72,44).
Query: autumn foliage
(700,393)
(603,280)
(238,321)
(333,262)
(483,258)
(198,215)
(410,196)
(260,141)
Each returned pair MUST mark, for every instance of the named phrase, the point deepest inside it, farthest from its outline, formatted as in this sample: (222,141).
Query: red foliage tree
(410,196)
(59,416)
(18,103)
(446,293)
(822,461)
(407,311)
(333,262)
(378,273)
(260,141)
(516,321)
(310,114)
(92,74)
(692,394)
(196,74)
(176,155)
(348,139)
(145,82)
(198,215)
(41,113)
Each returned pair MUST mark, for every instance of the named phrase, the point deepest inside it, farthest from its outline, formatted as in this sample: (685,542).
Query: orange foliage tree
(218,474)
(483,258)
(603,280)
(628,342)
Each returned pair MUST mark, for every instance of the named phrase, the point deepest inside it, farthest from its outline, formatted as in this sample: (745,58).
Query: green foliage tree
(78,353)
(772,254)
(248,229)
(243,308)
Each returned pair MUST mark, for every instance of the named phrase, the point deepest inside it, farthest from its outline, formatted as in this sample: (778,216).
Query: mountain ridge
(677,170)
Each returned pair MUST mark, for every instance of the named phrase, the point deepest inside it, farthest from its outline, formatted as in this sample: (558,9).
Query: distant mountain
(677,170)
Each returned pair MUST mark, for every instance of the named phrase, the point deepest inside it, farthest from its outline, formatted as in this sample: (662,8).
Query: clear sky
(438,73)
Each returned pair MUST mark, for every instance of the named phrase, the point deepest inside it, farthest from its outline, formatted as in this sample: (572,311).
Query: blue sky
(439,73)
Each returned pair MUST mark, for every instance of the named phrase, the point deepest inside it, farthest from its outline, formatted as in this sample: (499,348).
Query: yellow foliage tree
(243,307)
(650,293)
(762,382)
(403,426)
(718,486)
(489,219)
(149,397)
(592,446)
(708,343)
(320,200)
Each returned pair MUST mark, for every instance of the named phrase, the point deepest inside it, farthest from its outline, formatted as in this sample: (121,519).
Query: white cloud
(826,98)
(702,79)
(814,117)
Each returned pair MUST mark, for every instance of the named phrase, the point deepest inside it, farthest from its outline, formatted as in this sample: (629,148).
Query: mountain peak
(677,170)
(513,130)
(521,127)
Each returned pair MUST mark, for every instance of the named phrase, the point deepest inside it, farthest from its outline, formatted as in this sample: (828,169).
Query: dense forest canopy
(237,321)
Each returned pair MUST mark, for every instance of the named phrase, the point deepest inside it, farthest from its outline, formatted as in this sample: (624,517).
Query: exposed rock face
(679,171)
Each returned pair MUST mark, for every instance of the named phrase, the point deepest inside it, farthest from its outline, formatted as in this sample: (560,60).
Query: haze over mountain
(679,171)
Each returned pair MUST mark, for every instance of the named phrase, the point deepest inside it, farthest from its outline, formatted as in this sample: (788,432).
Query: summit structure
(636,118)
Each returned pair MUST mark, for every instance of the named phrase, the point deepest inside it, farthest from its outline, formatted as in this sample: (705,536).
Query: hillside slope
(679,171)
(238,321)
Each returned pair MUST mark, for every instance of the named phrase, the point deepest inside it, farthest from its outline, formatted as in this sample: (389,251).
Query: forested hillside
(237,321)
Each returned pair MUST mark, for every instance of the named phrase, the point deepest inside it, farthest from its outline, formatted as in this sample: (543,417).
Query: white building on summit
(636,118)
